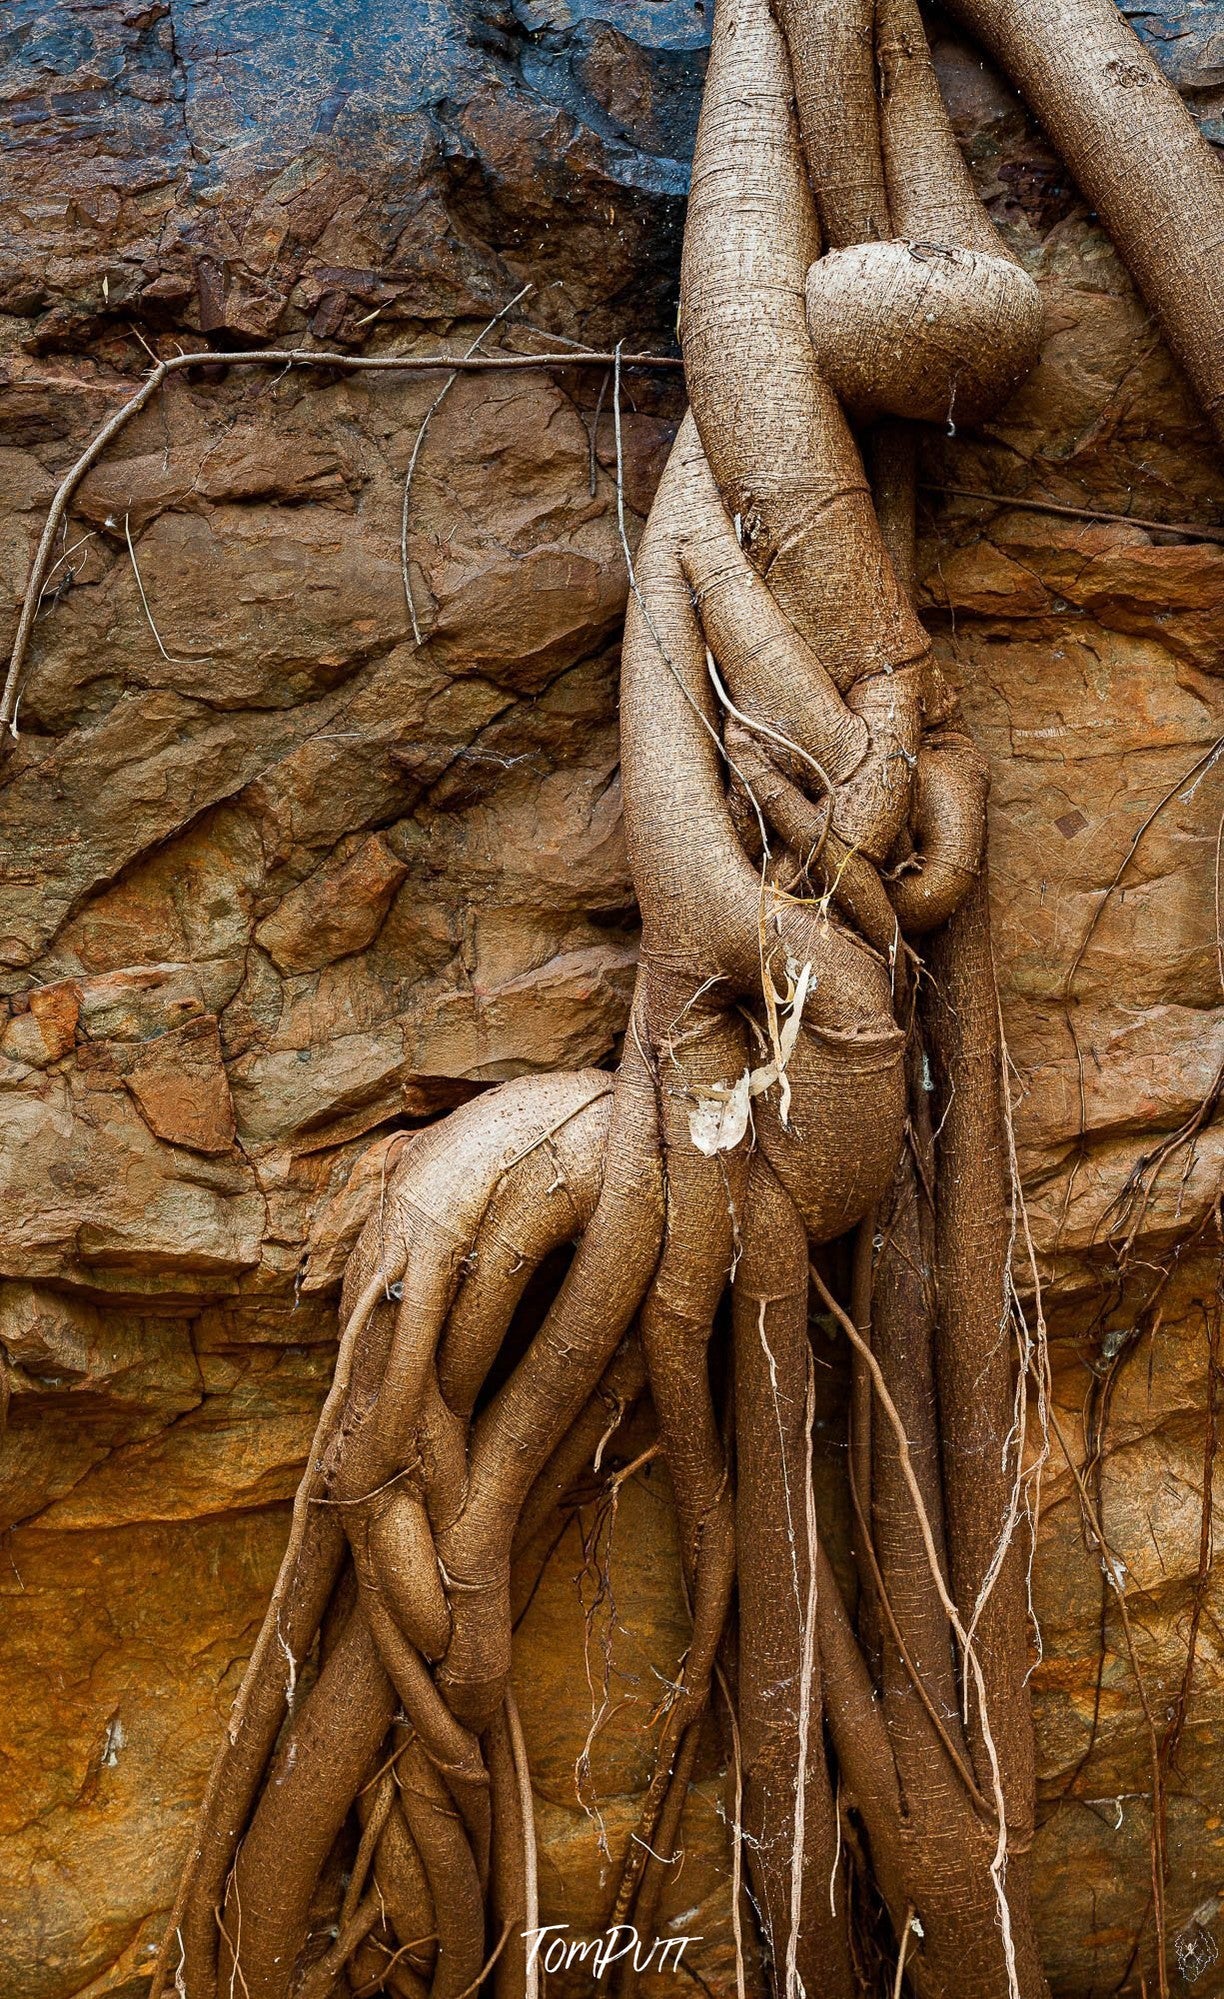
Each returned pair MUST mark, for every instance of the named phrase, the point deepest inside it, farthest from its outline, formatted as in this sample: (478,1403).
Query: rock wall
(278,883)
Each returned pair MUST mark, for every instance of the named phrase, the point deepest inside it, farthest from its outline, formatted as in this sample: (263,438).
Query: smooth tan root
(805,811)
(1137,155)
(930,331)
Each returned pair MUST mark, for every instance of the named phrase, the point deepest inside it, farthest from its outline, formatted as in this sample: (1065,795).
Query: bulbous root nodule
(805,812)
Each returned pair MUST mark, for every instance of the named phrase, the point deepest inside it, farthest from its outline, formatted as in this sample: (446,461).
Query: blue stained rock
(245,168)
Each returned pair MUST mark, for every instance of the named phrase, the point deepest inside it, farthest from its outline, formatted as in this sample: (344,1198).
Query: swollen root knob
(836,1154)
(402,1551)
(922,330)
(949,826)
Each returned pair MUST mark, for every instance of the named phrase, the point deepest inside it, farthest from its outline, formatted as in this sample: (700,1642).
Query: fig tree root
(813,1054)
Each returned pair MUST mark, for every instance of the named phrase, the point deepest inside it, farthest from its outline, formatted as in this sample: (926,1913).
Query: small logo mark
(598,1954)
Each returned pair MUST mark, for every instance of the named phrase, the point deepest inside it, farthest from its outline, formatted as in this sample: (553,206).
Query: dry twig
(265,357)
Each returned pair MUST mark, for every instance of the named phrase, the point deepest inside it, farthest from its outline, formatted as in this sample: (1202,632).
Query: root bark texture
(813,1054)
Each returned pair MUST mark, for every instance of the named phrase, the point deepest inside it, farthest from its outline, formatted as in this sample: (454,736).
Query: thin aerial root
(384,1801)
(737,1836)
(451,1872)
(322,1759)
(418,441)
(1113,1573)
(264,357)
(663,1858)
(531,1886)
(401,1882)
(712,1593)
(903,1953)
(884,1603)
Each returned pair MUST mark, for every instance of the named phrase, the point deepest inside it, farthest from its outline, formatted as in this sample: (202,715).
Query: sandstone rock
(121,1662)
(1138,1404)
(92,1198)
(141,1002)
(241,1446)
(45,1027)
(180,1087)
(338,910)
(82,1381)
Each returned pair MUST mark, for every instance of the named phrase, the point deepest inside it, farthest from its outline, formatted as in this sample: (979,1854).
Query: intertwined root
(803,803)
(980,319)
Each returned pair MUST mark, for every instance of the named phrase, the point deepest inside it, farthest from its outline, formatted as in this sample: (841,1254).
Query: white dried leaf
(720,1119)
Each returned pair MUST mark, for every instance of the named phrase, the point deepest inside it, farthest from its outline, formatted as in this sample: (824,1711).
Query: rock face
(278,883)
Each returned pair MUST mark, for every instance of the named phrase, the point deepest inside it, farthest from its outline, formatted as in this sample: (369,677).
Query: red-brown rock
(337,910)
